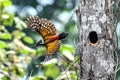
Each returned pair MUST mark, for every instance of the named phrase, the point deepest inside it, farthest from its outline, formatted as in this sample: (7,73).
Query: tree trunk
(96,24)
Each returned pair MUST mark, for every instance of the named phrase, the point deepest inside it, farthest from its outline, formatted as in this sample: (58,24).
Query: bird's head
(63,35)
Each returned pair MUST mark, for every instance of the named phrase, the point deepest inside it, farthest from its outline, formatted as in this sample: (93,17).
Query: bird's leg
(39,43)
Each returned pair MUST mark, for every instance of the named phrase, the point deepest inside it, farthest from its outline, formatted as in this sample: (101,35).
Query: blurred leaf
(52,72)
(68,55)
(17,70)
(5,36)
(7,18)
(24,51)
(23,48)
(27,50)
(41,50)
(2,28)
(6,2)
(18,34)
(19,23)
(4,78)
(2,51)
(73,75)
(50,69)
(68,47)
(12,45)
(3,44)
(28,40)
(37,78)
(67,51)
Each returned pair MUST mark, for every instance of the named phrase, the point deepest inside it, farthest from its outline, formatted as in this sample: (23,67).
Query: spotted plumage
(46,29)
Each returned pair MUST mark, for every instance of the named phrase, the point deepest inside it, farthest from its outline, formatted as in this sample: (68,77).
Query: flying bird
(48,32)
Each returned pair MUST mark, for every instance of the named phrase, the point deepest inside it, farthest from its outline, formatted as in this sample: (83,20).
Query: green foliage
(3,44)
(51,70)
(28,40)
(6,18)
(18,34)
(5,36)
(67,50)
(37,78)
(67,47)
(17,57)
(5,3)
(4,78)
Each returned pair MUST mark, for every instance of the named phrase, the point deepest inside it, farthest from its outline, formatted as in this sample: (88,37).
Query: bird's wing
(43,26)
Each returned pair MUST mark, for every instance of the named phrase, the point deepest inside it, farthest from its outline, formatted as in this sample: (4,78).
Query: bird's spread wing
(43,26)
(46,30)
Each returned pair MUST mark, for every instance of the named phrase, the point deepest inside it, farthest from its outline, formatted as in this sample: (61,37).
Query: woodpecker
(48,32)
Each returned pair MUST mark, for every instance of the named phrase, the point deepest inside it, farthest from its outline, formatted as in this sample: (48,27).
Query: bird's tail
(47,58)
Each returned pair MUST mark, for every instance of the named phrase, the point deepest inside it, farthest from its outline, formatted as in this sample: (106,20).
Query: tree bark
(96,24)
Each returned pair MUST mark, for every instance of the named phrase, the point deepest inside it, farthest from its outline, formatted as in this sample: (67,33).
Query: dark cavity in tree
(93,37)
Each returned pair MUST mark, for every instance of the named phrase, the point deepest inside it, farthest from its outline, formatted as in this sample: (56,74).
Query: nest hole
(93,37)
